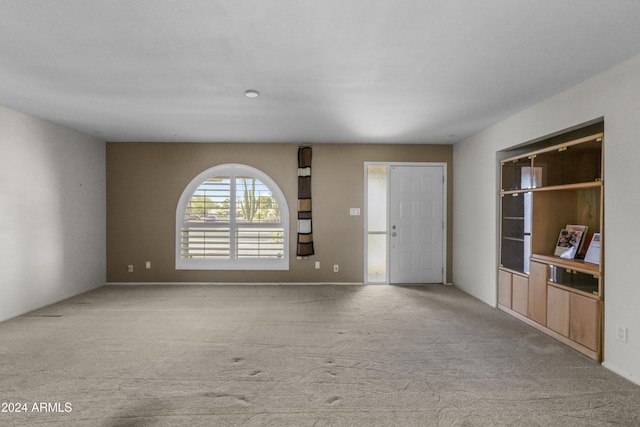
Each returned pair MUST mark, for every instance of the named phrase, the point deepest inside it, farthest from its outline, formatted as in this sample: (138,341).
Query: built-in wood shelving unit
(543,191)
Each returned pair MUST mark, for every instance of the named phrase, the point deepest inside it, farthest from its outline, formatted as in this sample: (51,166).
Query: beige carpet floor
(296,356)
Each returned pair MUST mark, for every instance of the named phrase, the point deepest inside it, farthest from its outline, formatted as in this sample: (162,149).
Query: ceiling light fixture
(252,93)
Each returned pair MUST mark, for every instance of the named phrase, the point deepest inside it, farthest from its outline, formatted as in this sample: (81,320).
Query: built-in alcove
(547,186)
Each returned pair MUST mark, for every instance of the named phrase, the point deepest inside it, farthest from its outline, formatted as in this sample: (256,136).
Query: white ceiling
(398,71)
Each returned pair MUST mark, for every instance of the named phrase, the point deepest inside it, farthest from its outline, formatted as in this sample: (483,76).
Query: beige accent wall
(145,181)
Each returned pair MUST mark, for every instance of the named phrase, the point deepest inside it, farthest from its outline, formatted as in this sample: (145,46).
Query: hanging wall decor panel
(304,247)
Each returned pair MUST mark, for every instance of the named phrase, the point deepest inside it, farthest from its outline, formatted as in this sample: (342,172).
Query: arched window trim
(232,170)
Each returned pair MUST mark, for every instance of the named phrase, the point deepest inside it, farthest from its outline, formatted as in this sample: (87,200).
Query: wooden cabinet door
(504,288)
(558,310)
(538,292)
(520,294)
(584,321)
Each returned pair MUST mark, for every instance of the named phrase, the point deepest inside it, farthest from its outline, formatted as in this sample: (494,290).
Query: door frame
(443,165)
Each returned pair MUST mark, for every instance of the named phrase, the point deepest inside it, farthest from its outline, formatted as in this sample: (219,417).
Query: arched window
(232,217)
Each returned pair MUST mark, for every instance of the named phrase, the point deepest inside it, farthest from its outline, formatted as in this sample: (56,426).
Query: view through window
(232,219)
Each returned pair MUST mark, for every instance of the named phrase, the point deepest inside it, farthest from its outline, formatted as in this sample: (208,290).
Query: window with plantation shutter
(232,217)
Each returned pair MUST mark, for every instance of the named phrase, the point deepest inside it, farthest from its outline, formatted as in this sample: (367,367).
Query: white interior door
(416,224)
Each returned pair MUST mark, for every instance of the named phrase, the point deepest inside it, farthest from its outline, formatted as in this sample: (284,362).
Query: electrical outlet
(621,334)
(148,265)
(335,268)
(130,268)
(317,265)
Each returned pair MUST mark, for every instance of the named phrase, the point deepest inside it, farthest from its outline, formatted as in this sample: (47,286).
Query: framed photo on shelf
(581,245)
(568,243)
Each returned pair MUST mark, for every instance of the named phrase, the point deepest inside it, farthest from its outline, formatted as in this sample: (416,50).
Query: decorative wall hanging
(304,247)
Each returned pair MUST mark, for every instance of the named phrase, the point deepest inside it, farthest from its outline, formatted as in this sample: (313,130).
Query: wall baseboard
(232,283)
(622,373)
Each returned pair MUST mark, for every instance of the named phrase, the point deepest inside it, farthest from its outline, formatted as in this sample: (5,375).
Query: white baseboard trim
(622,373)
(232,283)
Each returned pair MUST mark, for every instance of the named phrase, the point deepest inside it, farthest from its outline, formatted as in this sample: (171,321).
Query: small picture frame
(568,243)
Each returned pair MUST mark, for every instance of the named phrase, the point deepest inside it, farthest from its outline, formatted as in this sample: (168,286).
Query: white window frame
(232,170)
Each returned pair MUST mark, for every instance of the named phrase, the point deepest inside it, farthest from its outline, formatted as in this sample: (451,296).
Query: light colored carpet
(298,356)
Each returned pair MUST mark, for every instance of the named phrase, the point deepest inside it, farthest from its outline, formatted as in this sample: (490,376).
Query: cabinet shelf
(515,239)
(572,264)
(577,186)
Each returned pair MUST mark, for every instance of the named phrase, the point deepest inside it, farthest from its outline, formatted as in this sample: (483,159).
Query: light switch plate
(354,211)
(621,334)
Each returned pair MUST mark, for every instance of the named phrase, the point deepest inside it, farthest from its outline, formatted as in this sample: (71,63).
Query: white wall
(52,213)
(614,95)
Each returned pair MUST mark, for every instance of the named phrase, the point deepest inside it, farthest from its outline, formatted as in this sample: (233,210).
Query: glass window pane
(513,232)
(377,262)
(516,174)
(232,220)
(255,202)
(210,202)
(574,164)
(574,279)
(377,198)
(516,231)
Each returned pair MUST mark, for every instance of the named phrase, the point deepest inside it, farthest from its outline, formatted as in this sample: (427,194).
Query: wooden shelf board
(515,239)
(573,264)
(577,186)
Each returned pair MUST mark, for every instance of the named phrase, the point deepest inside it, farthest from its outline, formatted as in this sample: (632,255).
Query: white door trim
(366,214)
